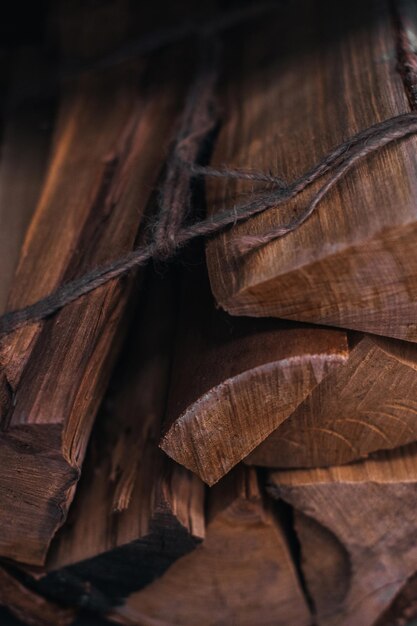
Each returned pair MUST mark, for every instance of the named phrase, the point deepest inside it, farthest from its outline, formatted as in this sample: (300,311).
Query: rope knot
(165,246)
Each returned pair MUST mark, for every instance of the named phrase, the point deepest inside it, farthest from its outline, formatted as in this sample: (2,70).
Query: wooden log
(357,533)
(242,573)
(26,137)
(135,510)
(366,405)
(54,373)
(293,88)
(31,608)
(235,380)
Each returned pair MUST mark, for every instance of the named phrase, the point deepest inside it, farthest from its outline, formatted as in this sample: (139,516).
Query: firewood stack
(223,436)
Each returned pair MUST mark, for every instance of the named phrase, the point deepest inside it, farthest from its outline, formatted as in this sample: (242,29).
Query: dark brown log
(135,510)
(366,405)
(295,86)
(54,373)
(235,380)
(357,533)
(242,573)
(30,607)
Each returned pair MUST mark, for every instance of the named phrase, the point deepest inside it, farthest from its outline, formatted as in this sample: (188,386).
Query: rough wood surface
(135,510)
(366,405)
(235,380)
(26,136)
(295,85)
(359,549)
(242,573)
(53,374)
(30,607)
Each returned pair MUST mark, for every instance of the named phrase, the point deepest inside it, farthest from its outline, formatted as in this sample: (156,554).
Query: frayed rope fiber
(170,234)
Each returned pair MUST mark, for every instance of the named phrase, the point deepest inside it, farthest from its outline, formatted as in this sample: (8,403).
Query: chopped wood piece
(369,404)
(24,151)
(293,88)
(28,606)
(113,132)
(135,510)
(357,533)
(235,380)
(242,573)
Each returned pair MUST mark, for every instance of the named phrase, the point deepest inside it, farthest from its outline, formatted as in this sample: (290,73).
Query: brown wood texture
(242,573)
(135,510)
(31,608)
(357,533)
(54,373)
(294,86)
(366,405)
(235,380)
(26,137)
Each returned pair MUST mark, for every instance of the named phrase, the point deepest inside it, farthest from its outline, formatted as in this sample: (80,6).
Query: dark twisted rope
(170,233)
(337,163)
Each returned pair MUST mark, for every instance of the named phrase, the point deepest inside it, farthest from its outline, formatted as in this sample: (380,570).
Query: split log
(235,380)
(54,373)
(369,404)
(135,510)
(242,573)
(293,88)
(26,137)
(357,533)
(28,606)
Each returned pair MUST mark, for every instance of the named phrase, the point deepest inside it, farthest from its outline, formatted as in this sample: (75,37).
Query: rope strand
(337,163)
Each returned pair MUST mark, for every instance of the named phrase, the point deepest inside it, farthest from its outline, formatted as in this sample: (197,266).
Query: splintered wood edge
(240,524)
(192,440)
(185,495)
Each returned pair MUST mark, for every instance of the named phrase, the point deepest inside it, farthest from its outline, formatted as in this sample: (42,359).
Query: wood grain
(54,373)
(135,510)
(363,522)
(366,405)
(235,380)
(242,573)
(295,86)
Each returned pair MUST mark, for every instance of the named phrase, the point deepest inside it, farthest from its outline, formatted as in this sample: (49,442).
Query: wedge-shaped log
(235,380)
(135,510)
(295,87)
(241,574)
(369,404)
(357,533)
(113,132)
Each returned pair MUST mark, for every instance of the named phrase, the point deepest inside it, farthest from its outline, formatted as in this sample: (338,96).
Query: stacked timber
(228,435)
